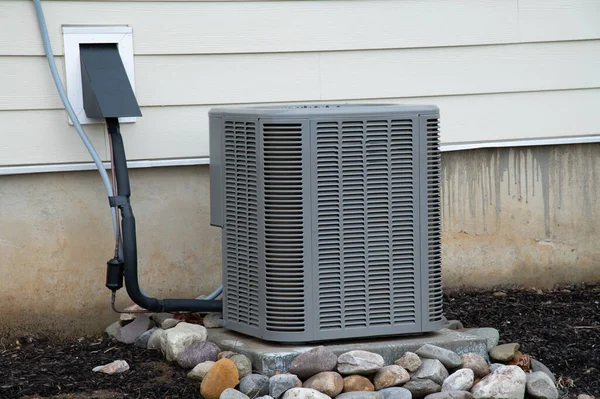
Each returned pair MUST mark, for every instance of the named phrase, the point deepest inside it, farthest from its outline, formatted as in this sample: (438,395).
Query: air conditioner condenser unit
(331,219)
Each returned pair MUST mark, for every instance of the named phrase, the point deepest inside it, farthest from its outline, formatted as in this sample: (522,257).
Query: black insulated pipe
(130,243)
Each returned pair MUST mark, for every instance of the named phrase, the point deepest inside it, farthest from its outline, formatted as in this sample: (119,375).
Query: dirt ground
(560,328)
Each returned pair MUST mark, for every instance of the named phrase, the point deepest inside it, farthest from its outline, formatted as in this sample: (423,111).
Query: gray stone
(360,395)
(490,334)
(450,395)
(155,338)
(508,382)
(359,362)
(242,364)
(112,330)
(584,396)
(504,352)
(312,362)
(453,325)
(129,333)
(476,363)
(410,361)
(303,393)
(133,308)
(280,383)
(197,353)
(396,393)
(421,388)
(460,380)
(390,376)
(431,369)
(448,358)
(540,386)
(231,393)
(255,385)
(495,366)
(142,340)
(328,382)
(200,371)
(158,318)
(226,354)
(118,366)
(211,320)
(174,340)
(169,323)
(268,358)
(264,397)
(536,365)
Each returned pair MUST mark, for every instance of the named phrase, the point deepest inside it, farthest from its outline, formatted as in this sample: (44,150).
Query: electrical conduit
(207,304)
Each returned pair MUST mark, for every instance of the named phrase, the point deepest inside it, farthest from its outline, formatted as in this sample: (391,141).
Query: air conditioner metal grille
(284,220)
(365,223)
(241,224)
(331,219)
(434,245)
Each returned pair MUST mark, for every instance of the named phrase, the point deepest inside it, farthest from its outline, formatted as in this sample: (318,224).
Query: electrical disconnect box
(76,36)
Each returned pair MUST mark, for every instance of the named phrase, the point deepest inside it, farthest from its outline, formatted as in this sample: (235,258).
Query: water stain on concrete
(522,199)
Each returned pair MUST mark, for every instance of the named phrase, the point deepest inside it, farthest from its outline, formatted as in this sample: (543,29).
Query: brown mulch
(64,370)
(560,328)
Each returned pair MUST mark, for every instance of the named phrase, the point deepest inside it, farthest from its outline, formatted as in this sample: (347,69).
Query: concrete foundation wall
(510,216)
(56,236)
(527,216)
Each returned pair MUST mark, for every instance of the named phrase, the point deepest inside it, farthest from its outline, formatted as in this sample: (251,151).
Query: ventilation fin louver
(434,246)
(241,224)
(284,210)
(365,182)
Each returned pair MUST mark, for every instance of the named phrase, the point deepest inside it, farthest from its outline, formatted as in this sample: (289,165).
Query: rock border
(430,372)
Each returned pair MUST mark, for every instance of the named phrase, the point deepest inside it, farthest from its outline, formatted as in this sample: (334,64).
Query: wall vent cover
(331,219)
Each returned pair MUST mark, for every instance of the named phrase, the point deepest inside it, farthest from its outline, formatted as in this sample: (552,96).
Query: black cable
(130,267)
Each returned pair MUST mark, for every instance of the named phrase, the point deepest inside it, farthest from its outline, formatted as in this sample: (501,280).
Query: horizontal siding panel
(167,132)
(26,83)
(514,116)
(223,79)
(317,25)
(285,26)
(259,78)
(177,80)
(182,132)
(460,70)
(44,136)
(559,19)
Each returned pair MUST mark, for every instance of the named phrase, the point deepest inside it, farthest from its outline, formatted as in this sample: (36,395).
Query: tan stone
(222,375)
(390,376)
(409,361)
(328,382)
(476,363)
(504,352)
(354,383)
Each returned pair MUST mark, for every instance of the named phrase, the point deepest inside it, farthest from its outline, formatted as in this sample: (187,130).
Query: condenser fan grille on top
(331,220)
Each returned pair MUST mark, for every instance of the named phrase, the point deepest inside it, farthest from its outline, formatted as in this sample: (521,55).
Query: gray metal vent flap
(331,220)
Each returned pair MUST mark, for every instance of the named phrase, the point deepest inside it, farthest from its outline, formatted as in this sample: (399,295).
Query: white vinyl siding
(498,69)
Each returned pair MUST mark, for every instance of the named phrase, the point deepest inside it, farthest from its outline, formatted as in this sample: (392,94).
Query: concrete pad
(268,358)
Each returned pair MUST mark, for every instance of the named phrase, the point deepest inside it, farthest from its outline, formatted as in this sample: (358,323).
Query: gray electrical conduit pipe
(65,100)
(69,108)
